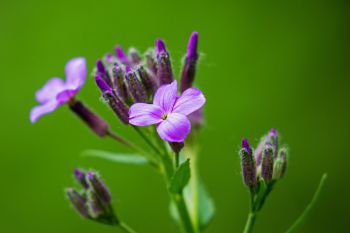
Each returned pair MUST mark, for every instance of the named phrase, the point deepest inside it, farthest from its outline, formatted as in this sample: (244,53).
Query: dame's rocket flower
(168,111)
(57,92)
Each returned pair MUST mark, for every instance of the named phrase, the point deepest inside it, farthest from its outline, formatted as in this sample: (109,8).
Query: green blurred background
(282,64)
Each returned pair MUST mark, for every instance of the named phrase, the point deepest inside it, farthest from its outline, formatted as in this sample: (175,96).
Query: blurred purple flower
(57,92)
(169,111)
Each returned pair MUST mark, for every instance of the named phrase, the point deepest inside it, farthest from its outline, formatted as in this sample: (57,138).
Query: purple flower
(168,111)
(57,92)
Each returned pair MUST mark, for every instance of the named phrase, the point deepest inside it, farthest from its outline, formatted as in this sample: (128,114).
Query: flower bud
(272,138)
(148,80)
(176,146)
(115,103)
(189,68)
(165,73)
(80,176)
(135,88)
(99,187)
(96,123)
(151,62)
(102,72)
(118,82)
(280,165)
(259,151)
(134,56)
(267,163)
(248,164)
(78,202)
(121,55)
(94,205)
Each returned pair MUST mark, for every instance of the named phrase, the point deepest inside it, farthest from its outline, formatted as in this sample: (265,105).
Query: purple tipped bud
(95,122)
(135,87)
(280,165)
(99,188)
(81,178)
(118,82)
(94,205)
(267,163)
(192,46)
(248,164)
(160,45)
(148,80)
(151,62)
(134,56)
(121,55)
(189,68)
(100,67)
(102,84)
(109,58)
(118,106)
(273,139)
(78,202)
(164,72)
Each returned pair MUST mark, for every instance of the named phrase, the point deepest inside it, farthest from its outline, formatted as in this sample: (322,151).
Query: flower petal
(141,114)
(66,95)
(191,100)
(175,128)
(38,111)
(49,91)
(76,72)
(165,96)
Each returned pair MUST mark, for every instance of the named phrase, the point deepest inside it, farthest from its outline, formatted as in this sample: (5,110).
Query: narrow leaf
(116,157)
(181,177)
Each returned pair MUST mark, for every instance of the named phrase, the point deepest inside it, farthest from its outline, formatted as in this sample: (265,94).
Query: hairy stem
(302,217)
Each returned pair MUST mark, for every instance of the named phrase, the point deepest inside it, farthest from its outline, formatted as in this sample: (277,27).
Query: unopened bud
(165,73)
(102,72)
(267,163)
(176,146)
(189,68)
(280,165)
(99,188)
(115,103)
(247,164)
(134,56)
(78,202)
(80,176)
(272,138)
(121,55)
(148,80)
(135,87)
(118,82)
(151,62)
(96,123)
(258,152)
(94,205)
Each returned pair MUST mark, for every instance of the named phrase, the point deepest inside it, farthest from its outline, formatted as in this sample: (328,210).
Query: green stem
(126,228)
(302,217)
(146,139)
(183,213)
(250,222)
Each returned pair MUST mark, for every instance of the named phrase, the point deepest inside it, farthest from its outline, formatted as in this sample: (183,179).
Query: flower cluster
(267,162)
(94,200)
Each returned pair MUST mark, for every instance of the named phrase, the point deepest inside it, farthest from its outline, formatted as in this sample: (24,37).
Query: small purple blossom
(168,111)
(57,92)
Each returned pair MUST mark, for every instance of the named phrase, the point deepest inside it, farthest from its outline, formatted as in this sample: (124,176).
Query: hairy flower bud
(115,103)
(94,205)
(259,151)
(99,188)
(78,202)
(151,62)
(118,82)
(165,73)
(80,176)
(148,80)
(102,72)
(121,55)
(280,165)
(135,87)
(134,56)
(189,68)
(267,163)
(96,123)
(248,164)
(272,138)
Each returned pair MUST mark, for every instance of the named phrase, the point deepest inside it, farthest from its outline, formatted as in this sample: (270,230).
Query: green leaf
(180,178)
(116,157)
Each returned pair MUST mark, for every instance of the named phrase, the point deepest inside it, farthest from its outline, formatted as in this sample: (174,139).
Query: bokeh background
(264,64)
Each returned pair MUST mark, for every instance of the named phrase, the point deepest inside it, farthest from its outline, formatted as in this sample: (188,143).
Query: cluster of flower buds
(93,201)
(125,79)
(266,162)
